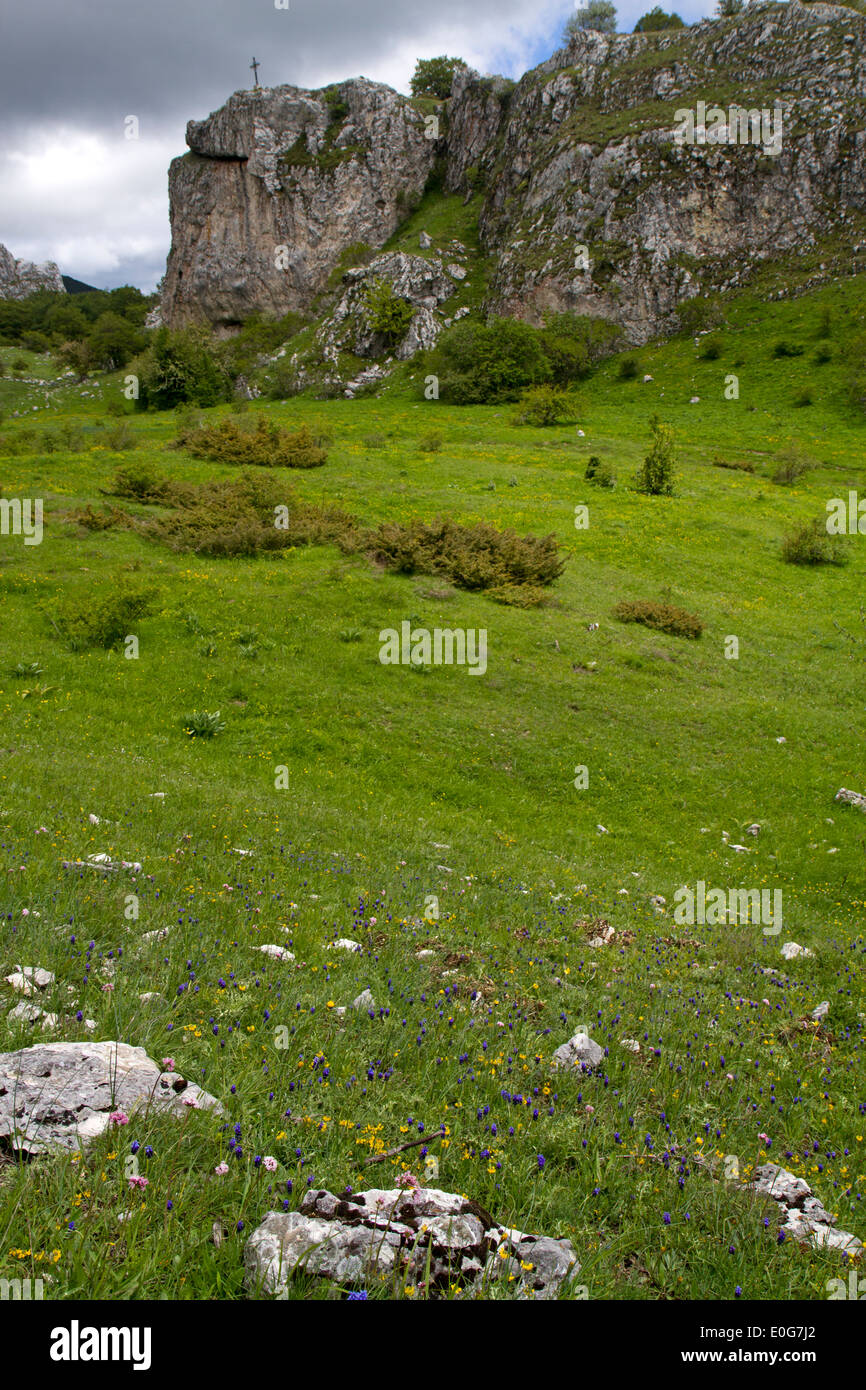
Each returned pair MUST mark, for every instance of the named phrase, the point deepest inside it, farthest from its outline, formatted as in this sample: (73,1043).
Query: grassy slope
(394,774)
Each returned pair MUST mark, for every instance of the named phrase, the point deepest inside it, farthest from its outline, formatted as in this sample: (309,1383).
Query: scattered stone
(158,935)
(61,1095)
(415,1232)
(821,1011)
(276,952)
(27,979)
(791,950)
(425,241)
(805,1218)
(849,798)
(424,955)
(630,1044)
(658,903)
(579,1051)
(364,1000)
(344,944)
(754,829)
(24,1013)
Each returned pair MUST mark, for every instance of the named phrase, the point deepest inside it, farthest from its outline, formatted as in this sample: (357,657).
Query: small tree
(433,76)
(656,477)
(599,15)
(728,9)
(657,19)
(386,313)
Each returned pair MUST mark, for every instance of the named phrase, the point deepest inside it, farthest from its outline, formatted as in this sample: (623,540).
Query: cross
(255,67)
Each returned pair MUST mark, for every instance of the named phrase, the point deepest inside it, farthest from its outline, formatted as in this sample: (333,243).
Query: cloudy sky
(74,189)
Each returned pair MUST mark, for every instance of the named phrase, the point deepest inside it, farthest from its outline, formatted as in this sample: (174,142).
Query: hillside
(421,810)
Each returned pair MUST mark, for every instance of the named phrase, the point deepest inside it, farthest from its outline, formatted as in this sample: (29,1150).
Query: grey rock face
(401,1232)
(579,1051)
(18,279)
(61,1095)
(567,164)
(276,185)
(421,282)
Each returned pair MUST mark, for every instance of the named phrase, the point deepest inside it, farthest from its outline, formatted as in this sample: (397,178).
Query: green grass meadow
(408,793)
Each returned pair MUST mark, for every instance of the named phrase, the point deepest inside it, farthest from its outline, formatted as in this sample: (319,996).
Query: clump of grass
(264,445)
(628,369)
(663,617)
(810,544)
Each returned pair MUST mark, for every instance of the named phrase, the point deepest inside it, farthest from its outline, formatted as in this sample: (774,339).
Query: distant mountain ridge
(18,279)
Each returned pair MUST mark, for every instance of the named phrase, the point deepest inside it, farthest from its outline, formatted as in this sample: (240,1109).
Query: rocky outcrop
(277,185)
(18,279)
(591,196)
(414,1235)
(586,157)
(62,1095)
(803,1216)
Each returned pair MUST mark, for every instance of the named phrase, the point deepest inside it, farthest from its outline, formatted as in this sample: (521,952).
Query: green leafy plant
(202,724)
(385,313)
(598,473)
(657,475)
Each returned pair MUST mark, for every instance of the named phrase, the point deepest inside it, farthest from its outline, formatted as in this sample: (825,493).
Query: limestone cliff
(277,184)
(586,199)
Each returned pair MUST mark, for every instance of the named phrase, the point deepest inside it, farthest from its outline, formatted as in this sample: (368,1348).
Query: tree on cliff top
(599,15)
(433,76)
(657,19)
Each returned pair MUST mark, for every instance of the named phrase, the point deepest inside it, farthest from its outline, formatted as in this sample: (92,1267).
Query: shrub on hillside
(810,544)
(544,405)
(472,557)
(264,445)
(573,343)
(628,369)
(180,367)
(386,314)
(101,620)
(744,466)
(700,313)
(598,473)
(662,617)
(657,475)
(479,363)
(792,467)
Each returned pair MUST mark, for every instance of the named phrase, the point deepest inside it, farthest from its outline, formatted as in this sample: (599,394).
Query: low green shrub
(544,405)
(101,620)
(810,544)
(598,473)
(265,445)
(662,617)
(472,557)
